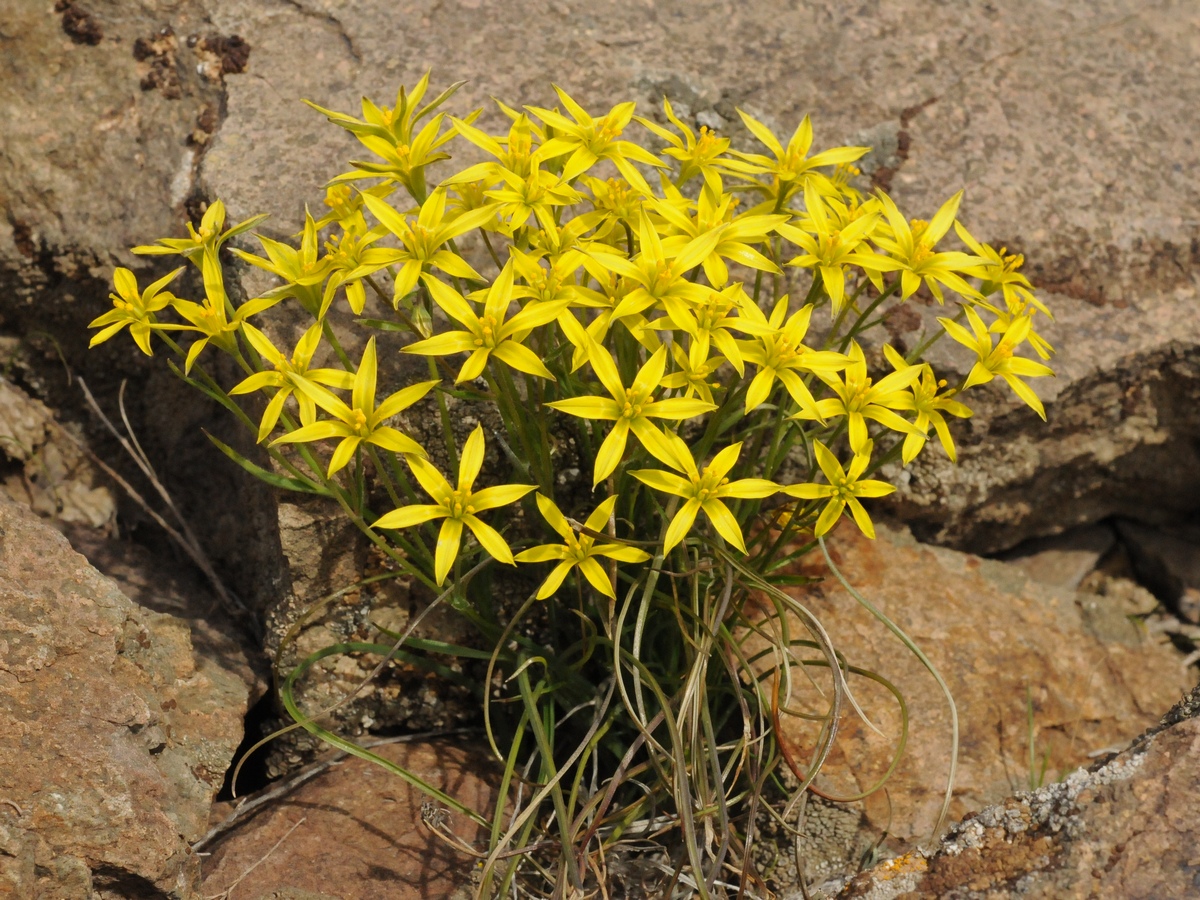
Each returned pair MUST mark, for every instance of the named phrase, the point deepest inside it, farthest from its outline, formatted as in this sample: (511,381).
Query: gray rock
(1169,563)
(118,734)
(1072,144)
(109,107)
(1066,559)
(1067,126)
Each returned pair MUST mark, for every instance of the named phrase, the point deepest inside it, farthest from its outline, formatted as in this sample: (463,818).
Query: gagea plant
(675,384)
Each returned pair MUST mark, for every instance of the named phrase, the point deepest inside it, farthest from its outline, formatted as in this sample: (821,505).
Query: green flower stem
(858,327)
(510,414)
(382,474)
(550,775)
(444,415)
(327,331)
(491,250)
(922,347)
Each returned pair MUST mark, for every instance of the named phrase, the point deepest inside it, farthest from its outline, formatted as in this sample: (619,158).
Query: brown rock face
(994,634)
(1128,828)
(360,834)
(1069,129)
(117,735)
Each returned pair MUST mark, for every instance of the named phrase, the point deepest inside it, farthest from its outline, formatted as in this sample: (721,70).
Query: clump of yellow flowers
(691,326)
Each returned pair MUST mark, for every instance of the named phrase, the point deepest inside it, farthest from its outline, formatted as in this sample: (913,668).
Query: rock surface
(1169,563)
(109,106)
(1065,559)
(1127,827)
(47,469)
(118,736)
(1093,679)
(372,818)
(1067,125)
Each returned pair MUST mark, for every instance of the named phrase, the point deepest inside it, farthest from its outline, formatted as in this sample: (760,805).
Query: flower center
(459,504)
(787,350)
(488,326)
(707,486)
(858,399)
(361,423)
(664,276)
(635,400)
(419,241)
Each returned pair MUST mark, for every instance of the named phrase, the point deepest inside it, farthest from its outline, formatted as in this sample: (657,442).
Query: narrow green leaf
(277,481)
(382,324)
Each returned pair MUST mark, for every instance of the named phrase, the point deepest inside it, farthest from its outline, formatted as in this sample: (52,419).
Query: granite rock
(1126,827)
(1005,644)
(1067,124)
(373,818)
(119,734)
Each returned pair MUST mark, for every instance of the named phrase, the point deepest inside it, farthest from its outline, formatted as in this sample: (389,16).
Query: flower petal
(667,482)
(593,572)
(829,516)
(343,453)
(449,540)
(588,407)
(681,525)
(403,399)
(725,523)
(598,520)
(611,451)
(621,553)
(407,516)
(522,358)
(555,579)
(433,482)
(553,516)
(499,495)
(542,553)
(395,440)
(471,460)
(749,488)
(490,539)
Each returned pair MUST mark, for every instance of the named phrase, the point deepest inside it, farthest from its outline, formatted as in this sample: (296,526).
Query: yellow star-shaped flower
(458,506)
(579,549)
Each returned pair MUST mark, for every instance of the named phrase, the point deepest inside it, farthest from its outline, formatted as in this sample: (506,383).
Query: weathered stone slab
(1003,642)
(373,818)
(1126,827)
(117,735)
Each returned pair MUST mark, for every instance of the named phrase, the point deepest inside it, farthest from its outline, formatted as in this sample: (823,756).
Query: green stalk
(548,772)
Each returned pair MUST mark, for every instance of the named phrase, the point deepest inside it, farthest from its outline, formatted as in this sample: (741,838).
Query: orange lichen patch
(908,864)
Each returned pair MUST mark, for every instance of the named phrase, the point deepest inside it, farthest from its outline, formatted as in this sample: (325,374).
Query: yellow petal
(449,539)
(471,460)
(611,451)
(595,575)
(490,539)
(725,523)
(407,516)
(681,525)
